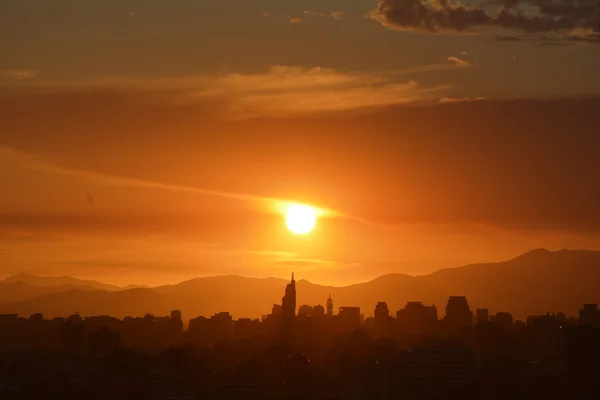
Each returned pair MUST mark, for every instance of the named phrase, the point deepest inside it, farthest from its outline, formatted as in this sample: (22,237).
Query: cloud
(316,13)
(20,74)
(460,100)
(295,20)
(415,15)
(293,90)
(281,90)
(441,16)
(278,254)
(459,63)
(335,14)
(263,204)
(456,161)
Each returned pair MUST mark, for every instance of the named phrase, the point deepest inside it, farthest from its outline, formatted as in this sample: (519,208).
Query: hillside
(534,283)
(53,281)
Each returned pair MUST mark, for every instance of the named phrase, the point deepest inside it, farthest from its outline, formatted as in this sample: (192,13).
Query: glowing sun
(300,219)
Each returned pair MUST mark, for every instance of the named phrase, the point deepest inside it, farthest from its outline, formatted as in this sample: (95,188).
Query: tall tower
(288,310)
(288,302)
(329,305)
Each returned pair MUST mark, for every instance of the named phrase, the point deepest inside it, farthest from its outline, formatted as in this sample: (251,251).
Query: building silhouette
(288,302)
(416,318)
(348,319)
(318,311)
(382,321)
(458,314)
(503,319)
(482,315)
(288,311)
(322,357)
(305,310)
(589,315)
(329,305)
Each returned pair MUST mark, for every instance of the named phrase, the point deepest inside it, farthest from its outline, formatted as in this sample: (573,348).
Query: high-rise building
(482,315)
(276,310)
(416,318)
(589,315)
(382,312)
(176,322)
(288,302)
(348,319)
(318,311)
(503,319)
(329,306)
(305,310)
(288,310)
(382,319)
(458,314)
(176,315)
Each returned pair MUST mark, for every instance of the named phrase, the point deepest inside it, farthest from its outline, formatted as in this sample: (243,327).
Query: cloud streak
(281,90)
(19,74)
(459,63)
(263,203)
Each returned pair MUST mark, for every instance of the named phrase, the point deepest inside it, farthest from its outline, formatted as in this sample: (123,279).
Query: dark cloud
(414,14)
(440,15)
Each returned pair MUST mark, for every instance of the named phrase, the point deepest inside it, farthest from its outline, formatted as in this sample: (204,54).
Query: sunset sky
(153,141)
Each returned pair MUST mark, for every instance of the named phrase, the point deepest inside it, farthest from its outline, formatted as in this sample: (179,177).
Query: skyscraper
(458,314)
(416,318)
(329,306)
(482,315)
(288,310)
(382,319)
(288,302)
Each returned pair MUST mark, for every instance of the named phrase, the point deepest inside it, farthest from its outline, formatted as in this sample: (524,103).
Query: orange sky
(161,149)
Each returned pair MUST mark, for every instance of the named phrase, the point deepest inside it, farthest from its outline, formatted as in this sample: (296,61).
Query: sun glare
(300,219)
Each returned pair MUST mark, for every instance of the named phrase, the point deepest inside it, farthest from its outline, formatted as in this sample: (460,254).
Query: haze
(153,142)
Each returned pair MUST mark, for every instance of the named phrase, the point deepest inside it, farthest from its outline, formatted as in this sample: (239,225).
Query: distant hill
(52,281)
(537,282)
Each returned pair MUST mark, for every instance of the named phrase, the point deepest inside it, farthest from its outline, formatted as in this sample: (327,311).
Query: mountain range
(536,282)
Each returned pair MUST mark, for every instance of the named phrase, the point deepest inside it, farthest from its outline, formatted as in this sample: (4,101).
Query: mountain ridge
(524,285)
(48,281)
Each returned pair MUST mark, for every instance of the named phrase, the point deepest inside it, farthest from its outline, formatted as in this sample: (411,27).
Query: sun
(300,219)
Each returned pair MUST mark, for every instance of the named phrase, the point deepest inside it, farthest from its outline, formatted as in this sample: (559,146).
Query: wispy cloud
(262,203)
(292,90)
(337,14)
(273,253)
(20,74)
(295,20)
(285,90)
(460,100)
(459,63)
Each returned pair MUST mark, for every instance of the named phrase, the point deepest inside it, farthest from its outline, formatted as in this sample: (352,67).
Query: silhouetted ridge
(525,285)
(49,281)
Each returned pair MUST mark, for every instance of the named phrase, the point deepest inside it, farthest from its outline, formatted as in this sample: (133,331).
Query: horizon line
(144,286)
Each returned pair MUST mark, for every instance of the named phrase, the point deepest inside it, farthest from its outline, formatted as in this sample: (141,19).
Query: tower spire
(292,277)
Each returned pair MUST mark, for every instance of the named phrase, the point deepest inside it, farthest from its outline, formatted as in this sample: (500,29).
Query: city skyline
(299,199)
(486,285)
